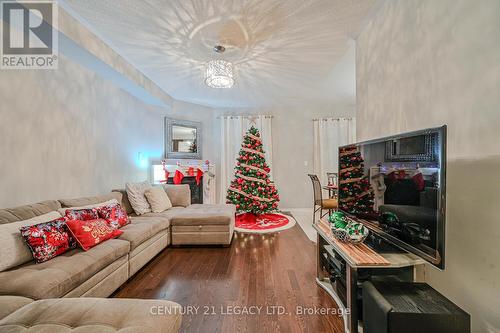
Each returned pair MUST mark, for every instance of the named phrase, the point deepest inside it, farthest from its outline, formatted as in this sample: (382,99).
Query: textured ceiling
(284,52)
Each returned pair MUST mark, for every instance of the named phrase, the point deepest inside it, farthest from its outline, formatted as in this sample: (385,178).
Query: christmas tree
(356,196)
(252,190)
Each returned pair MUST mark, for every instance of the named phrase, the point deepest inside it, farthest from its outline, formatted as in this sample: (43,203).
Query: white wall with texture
(425,63)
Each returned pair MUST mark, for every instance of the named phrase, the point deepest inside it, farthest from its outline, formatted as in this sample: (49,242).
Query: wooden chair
(321,204)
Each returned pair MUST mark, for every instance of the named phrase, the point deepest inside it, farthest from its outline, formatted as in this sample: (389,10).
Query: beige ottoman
(203,225)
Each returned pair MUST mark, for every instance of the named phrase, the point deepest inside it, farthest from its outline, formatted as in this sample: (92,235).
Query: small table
(332,190)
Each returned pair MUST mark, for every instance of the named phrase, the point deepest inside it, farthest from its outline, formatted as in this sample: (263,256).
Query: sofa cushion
(56,277)
(14,250)
(141,229)
(89,315)
(168,214)
(135,193)
(21,213)
(205,215)
(158,199)
(9,304)
(125,201)
(179,195)
(63,211)
(228,207)
(89,201)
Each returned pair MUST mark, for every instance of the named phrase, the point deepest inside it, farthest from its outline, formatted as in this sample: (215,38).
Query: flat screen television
(396,186)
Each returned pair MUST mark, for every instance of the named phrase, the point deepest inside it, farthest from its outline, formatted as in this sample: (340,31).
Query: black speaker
(395,307)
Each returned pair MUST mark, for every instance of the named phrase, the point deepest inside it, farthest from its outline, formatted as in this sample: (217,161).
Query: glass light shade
(219,74)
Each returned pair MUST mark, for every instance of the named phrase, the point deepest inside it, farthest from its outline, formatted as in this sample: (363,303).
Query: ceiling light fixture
(219,73)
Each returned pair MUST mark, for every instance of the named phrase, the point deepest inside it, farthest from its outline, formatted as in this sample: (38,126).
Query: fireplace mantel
(208,186)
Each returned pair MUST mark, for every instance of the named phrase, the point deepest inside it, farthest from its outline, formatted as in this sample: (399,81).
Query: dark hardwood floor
(256,270)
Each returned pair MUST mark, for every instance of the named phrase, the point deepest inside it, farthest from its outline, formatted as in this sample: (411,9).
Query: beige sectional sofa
(197,224)
(88,315)
(105,267)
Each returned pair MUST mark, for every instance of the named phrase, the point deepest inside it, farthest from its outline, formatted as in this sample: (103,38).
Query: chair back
(318,196)
(332,178)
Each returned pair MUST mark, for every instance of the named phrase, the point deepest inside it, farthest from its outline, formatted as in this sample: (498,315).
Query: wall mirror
(182,139)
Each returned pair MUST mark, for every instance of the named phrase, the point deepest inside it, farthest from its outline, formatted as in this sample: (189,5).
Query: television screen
(396,187)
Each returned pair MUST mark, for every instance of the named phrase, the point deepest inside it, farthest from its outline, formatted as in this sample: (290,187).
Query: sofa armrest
(179,195)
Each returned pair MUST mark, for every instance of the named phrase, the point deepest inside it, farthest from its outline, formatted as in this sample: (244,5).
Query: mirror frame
(169,153)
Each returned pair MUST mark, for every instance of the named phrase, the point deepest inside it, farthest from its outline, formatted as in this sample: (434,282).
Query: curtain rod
(244,116)
(333,119)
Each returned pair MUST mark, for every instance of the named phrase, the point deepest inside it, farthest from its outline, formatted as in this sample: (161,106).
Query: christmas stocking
(178,177)
(418,178)
(199,174)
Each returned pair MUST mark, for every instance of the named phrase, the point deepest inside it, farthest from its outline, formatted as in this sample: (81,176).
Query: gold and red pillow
(48,240)
(114,214)
(84,214)
(91,232)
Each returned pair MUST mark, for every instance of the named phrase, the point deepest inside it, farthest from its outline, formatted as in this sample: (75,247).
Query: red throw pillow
(114,214)
(48,240)
(92,232)
(82,214)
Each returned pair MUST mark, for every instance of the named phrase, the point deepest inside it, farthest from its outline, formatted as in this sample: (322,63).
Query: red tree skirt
(263,223)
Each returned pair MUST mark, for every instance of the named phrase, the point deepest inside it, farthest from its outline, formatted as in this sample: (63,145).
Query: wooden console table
(360,261)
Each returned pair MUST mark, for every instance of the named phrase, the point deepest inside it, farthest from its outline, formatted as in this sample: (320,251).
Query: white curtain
(329,135)
(233,129)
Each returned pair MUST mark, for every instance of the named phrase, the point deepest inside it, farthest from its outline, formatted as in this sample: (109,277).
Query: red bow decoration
(178,177)
(190,171)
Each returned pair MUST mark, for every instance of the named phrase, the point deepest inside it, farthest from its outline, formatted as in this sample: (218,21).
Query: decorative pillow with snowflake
(82,214)
(114,214)
(48,240)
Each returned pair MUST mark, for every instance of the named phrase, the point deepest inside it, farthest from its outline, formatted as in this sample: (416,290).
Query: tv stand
(342,268)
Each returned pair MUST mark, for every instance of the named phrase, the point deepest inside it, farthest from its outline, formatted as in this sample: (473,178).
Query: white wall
(77,130)
(68,132)
(292,131)
(423,63)
(205,115)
